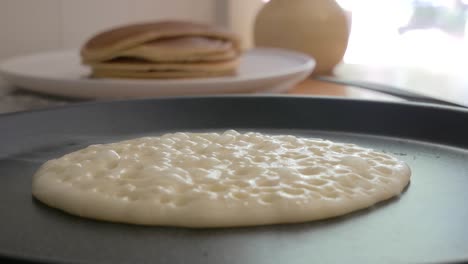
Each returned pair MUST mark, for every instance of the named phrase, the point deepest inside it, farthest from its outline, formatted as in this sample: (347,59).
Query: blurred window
(427,34)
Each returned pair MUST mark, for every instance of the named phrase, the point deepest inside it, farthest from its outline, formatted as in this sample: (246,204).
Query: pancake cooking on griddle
(219,180)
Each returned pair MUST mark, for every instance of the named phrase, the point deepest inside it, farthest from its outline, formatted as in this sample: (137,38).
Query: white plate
(60,73)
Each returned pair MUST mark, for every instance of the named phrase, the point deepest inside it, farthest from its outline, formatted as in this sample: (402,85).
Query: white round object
(61,73)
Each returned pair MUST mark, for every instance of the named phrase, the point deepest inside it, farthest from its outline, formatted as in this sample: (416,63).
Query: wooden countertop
(318,88)
(450,86)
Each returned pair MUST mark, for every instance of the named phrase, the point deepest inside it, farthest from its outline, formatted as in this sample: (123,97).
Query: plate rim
(308,65)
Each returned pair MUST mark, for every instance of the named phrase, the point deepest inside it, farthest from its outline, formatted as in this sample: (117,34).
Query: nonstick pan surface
(428,223)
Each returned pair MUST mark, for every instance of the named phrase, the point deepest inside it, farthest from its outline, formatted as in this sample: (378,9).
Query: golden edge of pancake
(92,52)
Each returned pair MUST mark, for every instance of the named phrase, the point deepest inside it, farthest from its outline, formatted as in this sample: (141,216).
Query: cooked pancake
(182,49)
(97,73)
(111,44)
(140,65)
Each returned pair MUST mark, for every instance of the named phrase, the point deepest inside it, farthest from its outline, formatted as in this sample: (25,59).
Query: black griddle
(428,223)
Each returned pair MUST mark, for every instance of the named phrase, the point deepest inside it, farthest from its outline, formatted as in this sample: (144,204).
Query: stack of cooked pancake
(168,49)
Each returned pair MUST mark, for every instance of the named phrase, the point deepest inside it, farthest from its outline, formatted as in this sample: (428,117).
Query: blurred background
(421,45)
(426,34)
(28,26)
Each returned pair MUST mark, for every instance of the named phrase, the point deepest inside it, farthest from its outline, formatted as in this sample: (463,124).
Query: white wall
(28,26)
(241,18)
